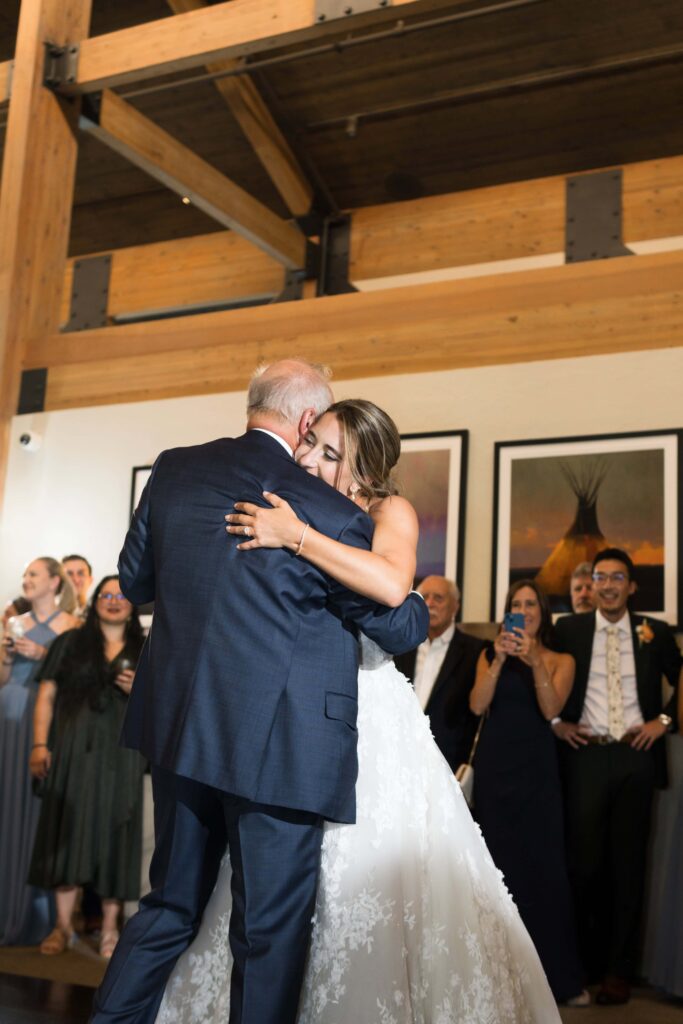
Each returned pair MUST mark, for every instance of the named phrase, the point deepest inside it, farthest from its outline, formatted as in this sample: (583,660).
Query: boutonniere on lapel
(645,633)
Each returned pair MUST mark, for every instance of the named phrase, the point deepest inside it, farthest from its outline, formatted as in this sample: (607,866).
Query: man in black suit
(612,731)
(442,671)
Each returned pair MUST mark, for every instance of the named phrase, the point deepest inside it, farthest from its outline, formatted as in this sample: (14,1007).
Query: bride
(413,923)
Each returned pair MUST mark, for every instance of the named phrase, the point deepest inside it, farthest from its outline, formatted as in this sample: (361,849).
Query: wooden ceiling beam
(125,130)
(518,223)
(183,273)
(618,305)
(259,126)
(36,195)
(229,30)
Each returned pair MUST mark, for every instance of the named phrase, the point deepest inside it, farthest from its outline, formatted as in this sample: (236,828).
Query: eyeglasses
(112,597)
(609,577)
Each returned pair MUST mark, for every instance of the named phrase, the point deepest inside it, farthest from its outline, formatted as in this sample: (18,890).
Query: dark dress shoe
(613,992)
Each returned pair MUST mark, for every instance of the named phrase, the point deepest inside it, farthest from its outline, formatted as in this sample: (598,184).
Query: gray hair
(583,569)
(287,388)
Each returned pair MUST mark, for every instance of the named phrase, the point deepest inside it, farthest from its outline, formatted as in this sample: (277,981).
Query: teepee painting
(559,502)
(584,538)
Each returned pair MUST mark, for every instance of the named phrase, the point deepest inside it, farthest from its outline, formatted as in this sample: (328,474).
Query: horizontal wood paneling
(626,304)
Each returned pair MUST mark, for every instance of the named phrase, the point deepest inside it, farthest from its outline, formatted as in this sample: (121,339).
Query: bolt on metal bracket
(333,10)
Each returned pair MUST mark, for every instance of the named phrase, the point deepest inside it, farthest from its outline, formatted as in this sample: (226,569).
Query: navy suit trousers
(275,858)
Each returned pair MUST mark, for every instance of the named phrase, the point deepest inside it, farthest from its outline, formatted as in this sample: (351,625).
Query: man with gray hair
(244,702)
(581,588)
(442,670)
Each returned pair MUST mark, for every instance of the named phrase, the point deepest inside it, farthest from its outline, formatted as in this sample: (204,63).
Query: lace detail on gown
(413,923)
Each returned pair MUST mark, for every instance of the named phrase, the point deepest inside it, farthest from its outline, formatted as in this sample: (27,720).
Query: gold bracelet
(301,540)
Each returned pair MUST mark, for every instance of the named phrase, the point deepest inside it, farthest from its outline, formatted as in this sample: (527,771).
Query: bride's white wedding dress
(413,924)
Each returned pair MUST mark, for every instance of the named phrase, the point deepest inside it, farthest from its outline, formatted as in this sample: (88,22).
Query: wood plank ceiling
(553,87)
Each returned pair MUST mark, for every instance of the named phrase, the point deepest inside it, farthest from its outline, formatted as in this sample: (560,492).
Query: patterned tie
(615,696)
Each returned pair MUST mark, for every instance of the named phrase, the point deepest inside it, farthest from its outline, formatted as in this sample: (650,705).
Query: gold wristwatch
(666,721)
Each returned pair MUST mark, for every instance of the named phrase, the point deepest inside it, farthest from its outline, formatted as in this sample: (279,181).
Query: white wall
(74,492)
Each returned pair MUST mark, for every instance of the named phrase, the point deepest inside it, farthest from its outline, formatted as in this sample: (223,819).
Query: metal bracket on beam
(61,65)
(32,391)
(89,293)
(593,227)
(293,286)
(332,10)
(334,257)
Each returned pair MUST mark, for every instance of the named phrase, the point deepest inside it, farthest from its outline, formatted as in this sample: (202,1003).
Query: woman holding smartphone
(521,685)
(90,825)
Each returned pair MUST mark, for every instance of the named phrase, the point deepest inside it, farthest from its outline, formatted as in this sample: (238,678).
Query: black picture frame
(452,510)
(595,446)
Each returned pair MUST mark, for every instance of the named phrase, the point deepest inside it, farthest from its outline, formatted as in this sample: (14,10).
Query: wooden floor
(27,1000)
(38,1001)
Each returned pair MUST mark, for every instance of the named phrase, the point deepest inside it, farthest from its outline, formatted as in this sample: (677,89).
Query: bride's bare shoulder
(393,510)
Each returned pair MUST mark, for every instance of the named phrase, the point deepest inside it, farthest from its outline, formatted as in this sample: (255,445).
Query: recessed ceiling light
(187,200)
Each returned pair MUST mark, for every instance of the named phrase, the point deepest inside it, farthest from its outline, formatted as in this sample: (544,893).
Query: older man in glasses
(612,729)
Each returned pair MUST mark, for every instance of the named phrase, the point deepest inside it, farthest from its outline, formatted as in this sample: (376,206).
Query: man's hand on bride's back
(275,527)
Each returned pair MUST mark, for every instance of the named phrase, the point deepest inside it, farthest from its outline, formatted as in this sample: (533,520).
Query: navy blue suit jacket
(248,679)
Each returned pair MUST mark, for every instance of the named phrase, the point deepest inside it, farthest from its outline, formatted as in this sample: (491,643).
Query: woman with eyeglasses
(90,826)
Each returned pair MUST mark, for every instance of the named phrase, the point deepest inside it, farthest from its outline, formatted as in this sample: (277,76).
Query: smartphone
(513,621)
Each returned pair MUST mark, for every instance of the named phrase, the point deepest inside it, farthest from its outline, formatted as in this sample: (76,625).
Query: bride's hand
(276,527)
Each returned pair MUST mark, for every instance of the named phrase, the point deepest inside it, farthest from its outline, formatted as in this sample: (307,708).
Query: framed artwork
(559,501)
(141,475)
(432,475)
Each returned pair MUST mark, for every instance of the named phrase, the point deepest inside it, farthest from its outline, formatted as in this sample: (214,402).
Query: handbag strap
(475,741)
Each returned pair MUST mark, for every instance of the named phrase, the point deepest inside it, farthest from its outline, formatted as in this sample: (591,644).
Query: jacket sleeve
(136,561)
(671,662)
(396,630)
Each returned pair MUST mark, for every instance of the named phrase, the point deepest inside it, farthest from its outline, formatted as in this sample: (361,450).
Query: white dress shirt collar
(623,625)
(277,437)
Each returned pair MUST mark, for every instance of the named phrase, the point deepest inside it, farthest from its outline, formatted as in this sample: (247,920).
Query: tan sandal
(57,942)
(108,943)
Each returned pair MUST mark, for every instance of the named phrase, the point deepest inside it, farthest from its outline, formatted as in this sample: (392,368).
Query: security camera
(30,441)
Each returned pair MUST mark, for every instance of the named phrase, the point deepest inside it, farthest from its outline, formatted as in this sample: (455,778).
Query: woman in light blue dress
(25,912)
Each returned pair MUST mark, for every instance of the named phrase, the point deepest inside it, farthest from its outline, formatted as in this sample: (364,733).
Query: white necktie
(615,695)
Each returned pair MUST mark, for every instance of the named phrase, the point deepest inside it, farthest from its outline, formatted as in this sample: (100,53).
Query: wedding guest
(521,684)
(663,947)
(442,671)
(79,571)
(90,826)
(612,729)
(25,912)
(581,588)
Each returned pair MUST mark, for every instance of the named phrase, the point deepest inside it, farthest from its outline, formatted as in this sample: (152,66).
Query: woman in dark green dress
(90,826)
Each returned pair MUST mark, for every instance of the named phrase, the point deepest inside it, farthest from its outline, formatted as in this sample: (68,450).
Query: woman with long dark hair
(90,826)
(521,685)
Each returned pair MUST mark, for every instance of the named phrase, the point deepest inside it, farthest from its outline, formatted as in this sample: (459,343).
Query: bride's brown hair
(372,445)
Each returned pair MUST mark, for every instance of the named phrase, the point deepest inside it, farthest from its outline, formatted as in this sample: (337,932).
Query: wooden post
(36,195)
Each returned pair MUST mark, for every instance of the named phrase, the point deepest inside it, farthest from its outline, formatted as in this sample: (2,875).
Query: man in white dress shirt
(442,670)
(614,755)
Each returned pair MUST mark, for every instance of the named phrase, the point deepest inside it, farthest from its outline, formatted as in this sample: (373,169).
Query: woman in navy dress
(521,684)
